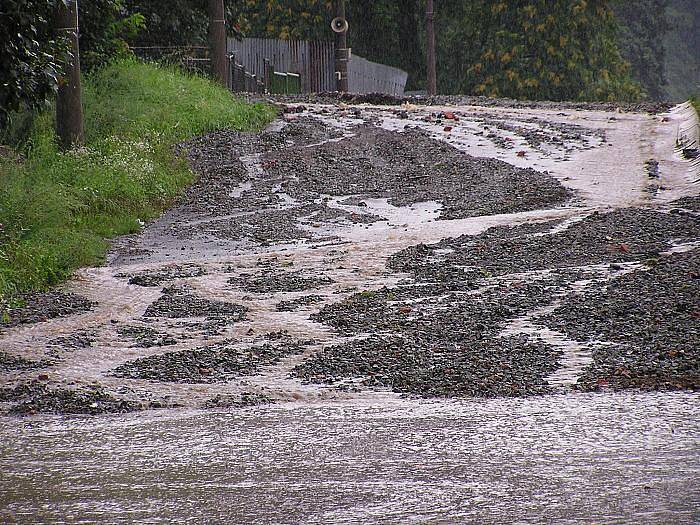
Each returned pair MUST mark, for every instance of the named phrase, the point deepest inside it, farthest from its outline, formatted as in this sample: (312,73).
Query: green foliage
(682,46)
(533,49)
(57,209)
(642,26)
(31,55)
(286,19)
(105,28)
(171,22)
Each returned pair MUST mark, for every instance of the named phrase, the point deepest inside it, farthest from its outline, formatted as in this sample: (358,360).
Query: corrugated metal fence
(365,76)
(314,62)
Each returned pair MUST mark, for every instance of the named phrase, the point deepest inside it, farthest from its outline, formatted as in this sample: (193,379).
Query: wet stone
(57,347)
(145,336)
(41,306)
(629,234)
(11,363)
(274,282)
(180,302)
(219,362)
(437,340)
(245,399)
(653,317)
(510,366)
(161,275)
(299,302)
(411,167)
(689,203)
(34,397)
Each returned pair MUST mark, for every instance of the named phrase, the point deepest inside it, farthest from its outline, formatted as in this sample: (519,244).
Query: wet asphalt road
(353,452)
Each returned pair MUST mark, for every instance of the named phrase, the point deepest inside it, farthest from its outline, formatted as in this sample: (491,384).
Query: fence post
(266,75)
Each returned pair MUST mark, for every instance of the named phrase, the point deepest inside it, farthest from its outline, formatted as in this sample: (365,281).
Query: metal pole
(341,48)
(69,109)
(217,40)
(430,35)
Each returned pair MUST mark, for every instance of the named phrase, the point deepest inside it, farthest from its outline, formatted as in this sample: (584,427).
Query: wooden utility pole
(69,108)
(430,36)
(217,41)
(340,28)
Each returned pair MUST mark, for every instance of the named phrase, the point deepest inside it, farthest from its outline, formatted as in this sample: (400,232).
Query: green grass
(695,100)
(57,210)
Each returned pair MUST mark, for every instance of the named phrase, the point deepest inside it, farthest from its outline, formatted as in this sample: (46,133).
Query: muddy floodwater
(380,314)
(589,458)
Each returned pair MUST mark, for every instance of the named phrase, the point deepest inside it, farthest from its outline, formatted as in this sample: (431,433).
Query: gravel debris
(34,397)
(299,302)
(629,234)
(380,99)
(410,167)
(145,336)
(653,317)
(432,340)
(161,275)
(245,399)
(41,306)
(274,282)
(180,302)
(10,363)
(216,363)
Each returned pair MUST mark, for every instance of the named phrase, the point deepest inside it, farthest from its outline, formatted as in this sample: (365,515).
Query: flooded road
(587,458)
(298,283)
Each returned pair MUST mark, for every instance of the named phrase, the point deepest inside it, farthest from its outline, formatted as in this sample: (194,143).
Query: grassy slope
(57,209)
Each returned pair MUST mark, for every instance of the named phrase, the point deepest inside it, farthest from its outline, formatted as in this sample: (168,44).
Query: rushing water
(575,458)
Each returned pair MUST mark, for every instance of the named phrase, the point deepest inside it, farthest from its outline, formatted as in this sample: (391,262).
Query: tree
(642,27)
(31,54)
(533,49)
(106,27)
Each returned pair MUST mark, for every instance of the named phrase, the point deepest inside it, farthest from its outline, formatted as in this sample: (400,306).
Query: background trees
(555,49)
(31,55)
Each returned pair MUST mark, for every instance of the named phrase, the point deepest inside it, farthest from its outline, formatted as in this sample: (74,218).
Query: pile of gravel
(479,367)
(219,362)
(158,276)
(37,307)
(381,99)
(433,341)
(35,397)
(11,363)
(78,340)
(653,317)
(145,336)
(629,234)
(411,167)
(299,302)
(180,302)
(243,400)
(690,203)
(274,282)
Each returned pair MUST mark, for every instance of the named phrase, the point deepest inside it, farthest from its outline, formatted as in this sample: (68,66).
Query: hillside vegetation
(58,209)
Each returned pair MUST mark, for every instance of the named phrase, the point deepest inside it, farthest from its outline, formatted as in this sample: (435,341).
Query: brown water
(364,458)
(574,458)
